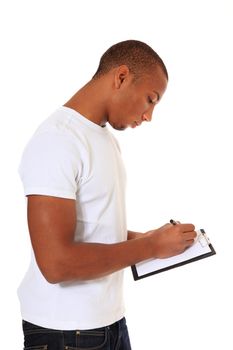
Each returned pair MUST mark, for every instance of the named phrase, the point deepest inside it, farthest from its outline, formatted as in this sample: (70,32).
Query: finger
(187,227)
(190,235)
(190,242)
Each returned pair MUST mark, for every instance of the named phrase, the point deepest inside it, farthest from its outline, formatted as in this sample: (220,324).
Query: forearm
(85,261)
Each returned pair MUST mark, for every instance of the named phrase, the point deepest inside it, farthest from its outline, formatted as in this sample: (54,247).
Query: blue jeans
(113,337)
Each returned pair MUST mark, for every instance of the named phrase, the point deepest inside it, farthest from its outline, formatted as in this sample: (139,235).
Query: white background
(179,166)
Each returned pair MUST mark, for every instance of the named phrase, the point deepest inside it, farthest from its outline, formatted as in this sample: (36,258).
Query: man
(74,180)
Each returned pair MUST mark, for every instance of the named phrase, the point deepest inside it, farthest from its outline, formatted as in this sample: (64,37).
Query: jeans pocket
(38,338)
(90,340)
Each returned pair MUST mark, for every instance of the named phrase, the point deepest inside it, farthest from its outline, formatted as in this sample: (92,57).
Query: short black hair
(136,55)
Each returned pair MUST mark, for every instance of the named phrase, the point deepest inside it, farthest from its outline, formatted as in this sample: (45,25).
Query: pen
(173,222)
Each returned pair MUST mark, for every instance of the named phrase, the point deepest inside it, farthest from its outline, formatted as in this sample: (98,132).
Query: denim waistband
(30,327)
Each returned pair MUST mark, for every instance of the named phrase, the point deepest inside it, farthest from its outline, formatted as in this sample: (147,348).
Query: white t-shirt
(71,157)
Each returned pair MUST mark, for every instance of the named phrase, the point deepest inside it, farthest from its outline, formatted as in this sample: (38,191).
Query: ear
(121,74)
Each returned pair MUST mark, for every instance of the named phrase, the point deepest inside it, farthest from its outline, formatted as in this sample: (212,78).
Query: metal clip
(202,238)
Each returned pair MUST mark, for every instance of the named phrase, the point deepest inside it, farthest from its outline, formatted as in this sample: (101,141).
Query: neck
(91,101)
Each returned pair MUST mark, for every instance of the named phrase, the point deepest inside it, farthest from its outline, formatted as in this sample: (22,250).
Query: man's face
(133,101)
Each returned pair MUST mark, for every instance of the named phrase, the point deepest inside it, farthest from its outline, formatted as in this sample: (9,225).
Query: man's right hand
(170,240)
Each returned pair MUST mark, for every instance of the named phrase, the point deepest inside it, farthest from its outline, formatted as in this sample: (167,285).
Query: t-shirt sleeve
(51,165)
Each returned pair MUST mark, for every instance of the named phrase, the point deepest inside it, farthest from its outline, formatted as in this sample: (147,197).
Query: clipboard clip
(202,238)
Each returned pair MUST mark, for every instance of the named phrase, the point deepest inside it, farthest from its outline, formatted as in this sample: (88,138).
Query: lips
(135,123)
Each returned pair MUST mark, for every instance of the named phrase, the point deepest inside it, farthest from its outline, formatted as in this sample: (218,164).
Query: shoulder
(58,133)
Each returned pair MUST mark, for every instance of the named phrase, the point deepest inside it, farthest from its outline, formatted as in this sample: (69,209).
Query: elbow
(52,272)
(52,276)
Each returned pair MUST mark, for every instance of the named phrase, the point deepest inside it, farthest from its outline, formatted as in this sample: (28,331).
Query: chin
(119,127)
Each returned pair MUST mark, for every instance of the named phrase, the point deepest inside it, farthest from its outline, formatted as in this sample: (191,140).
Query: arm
(52,222)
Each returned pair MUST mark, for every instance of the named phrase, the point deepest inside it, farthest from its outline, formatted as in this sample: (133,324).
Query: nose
(146,117)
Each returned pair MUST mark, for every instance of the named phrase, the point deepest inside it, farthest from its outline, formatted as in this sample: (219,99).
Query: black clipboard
(202,248)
